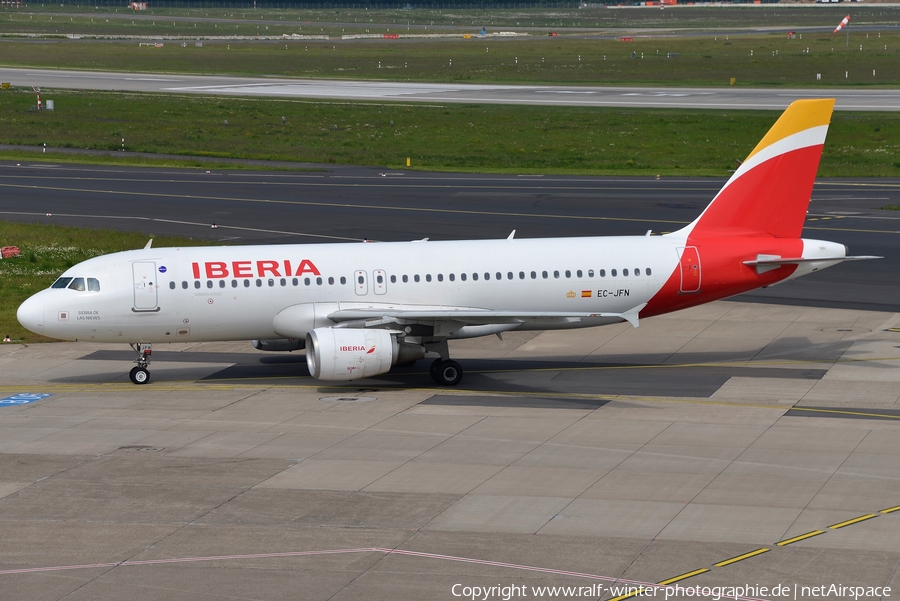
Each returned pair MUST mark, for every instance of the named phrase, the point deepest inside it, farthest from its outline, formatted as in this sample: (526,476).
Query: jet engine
(353,354)
(279,344)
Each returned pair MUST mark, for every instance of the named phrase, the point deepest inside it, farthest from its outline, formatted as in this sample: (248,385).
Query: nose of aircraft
(31,315)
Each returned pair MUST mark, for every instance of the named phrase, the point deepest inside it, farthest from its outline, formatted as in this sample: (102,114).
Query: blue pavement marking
(23,398)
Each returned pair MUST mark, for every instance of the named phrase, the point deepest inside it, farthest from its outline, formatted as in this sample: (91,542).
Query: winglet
(512,235)
(149,244)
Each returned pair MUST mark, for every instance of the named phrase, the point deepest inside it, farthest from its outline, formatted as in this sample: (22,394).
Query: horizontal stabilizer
(764,263)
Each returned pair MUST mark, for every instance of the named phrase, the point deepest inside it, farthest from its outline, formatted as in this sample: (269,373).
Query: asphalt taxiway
(343,204)
(730,445)
(611,96)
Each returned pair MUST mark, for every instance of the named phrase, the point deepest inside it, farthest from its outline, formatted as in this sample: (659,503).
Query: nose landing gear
(139,373)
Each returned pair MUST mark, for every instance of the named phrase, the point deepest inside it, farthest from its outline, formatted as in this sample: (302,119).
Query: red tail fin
(770,191)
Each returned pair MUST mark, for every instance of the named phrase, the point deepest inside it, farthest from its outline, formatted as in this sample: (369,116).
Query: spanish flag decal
(585,294)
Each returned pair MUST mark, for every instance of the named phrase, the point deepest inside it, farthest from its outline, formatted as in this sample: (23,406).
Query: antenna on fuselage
(149,244)
(512,235)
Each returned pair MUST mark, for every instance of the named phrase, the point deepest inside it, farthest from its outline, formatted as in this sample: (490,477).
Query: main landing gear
(446,372)
(139,373)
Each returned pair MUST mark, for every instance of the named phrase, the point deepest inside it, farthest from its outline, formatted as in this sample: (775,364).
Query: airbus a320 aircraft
(359,309)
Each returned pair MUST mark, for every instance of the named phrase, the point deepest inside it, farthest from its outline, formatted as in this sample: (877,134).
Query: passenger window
(221,283)
(545,275)
(568,273)
(625,272)
(343,280)
(427,277)
(283,282)
(637,271)
(393,279)
(509,275)
(612,272)
(602,273)
(209,283)
(318,281)
(533,275)
(475,277)
(61,283)
(556,274)
(500,276)
(647,271)
(577,273)
(306,281)
(487,276)
(462,276)
(416,278)
(246,283)
(359,280)
(197,284)
(296,282)
(379,278)
(521,275)
(94,285)
(590,273)
(452,277)
(440,277)
(259,283)
(77,284)
(184,285)
(405,279)
(271,282)
(330,282)
(171,285)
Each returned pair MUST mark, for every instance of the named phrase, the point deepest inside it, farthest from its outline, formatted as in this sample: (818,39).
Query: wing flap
(380,317)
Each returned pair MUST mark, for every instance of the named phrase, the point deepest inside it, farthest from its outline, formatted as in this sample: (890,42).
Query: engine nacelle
(352,354)
(279,344)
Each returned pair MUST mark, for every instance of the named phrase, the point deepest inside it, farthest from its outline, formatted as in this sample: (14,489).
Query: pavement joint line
(795,539)
(861,518)
(738,558)
(890,509)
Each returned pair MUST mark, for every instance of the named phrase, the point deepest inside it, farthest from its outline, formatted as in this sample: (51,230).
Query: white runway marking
(484,562)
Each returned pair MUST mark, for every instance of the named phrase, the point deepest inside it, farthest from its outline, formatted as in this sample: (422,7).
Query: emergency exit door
(690,269)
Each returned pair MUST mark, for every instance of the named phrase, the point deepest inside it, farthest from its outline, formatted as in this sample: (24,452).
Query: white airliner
(359,309)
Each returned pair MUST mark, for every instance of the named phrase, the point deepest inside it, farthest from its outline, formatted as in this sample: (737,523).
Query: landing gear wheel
(433,370)
(446,373)
(139,375)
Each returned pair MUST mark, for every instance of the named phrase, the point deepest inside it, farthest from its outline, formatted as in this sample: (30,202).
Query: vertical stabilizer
(770,191)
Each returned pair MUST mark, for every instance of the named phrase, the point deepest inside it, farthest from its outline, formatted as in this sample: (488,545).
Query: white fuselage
(234,293)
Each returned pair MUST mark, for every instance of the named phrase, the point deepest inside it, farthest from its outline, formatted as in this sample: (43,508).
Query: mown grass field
(486,138)
(707,60)
(47,251)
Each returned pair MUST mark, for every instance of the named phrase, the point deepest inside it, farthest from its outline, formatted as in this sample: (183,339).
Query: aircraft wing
(466,316)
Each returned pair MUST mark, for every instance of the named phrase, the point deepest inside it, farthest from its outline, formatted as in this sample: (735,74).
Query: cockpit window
(93,285)
(77,284)
(61,283)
